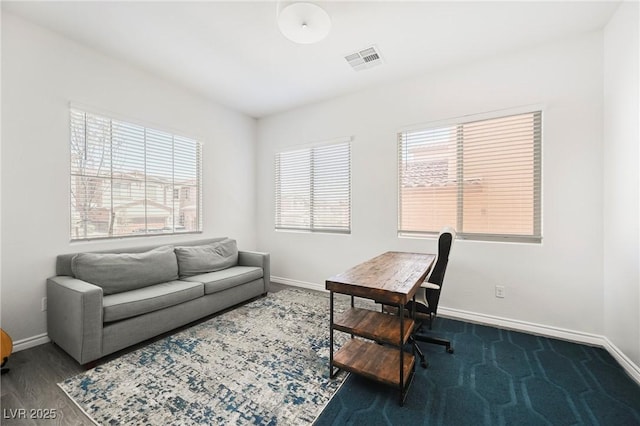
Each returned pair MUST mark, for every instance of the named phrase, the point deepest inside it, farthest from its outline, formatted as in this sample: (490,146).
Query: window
(483,177)
(119,170)
(313,189)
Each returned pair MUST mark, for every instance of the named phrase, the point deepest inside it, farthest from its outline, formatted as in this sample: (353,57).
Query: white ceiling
(233,52)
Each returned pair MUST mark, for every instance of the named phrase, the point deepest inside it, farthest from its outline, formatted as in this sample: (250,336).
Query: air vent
(365,58)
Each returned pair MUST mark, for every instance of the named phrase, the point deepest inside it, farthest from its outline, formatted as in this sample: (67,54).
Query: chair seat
(420,309)
(420,315)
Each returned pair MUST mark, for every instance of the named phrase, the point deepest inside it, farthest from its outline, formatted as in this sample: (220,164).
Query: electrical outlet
(500,291)
(44,304)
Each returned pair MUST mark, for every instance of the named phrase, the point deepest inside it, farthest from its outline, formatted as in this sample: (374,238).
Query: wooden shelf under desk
(374,361)
(374,325)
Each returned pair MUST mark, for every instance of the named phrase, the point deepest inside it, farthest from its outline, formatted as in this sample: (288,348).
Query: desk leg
(402,390)
(352,306)
(331,372)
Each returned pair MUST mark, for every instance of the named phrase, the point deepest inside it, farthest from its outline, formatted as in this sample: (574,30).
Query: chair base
(434,340)
(428,339)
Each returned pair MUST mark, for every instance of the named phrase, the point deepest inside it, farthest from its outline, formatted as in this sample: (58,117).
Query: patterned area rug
(265,363)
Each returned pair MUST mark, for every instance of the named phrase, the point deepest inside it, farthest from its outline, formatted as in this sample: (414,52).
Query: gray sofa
(99,303)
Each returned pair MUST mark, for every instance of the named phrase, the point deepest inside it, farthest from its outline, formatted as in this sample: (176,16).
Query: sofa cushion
(227,278)
(148,299)
(118,272)
(194,260)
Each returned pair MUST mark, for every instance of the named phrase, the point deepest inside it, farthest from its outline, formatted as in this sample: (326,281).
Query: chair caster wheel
(450,350)
(424,364)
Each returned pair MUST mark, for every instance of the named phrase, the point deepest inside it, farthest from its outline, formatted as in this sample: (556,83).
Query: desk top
(392,277)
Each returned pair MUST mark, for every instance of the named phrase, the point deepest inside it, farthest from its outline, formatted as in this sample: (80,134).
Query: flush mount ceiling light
(304,23)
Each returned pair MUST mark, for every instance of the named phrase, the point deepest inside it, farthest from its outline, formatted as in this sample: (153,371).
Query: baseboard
(543,330)
(296,283)
(30,342)
(632,369)
(528,327)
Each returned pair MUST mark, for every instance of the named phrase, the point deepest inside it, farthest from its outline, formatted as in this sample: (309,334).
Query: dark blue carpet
(496,377)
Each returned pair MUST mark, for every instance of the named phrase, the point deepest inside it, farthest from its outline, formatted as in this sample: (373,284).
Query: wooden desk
(392,279)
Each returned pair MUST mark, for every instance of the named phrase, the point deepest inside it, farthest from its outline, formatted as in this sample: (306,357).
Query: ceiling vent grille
(365,58)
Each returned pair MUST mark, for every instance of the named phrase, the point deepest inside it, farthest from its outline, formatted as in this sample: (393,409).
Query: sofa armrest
(74,317)
(260,259)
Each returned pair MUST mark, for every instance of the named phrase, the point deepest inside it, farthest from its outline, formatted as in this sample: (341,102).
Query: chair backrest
(445,241)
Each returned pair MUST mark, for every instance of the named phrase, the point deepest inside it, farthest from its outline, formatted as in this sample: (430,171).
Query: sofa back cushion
(118,272)
(63,261)
(195,260)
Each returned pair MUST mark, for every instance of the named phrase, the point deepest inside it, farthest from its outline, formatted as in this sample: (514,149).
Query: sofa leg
(90,365)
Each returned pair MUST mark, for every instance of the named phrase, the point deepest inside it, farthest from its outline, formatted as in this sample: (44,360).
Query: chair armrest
(259,259)
(430,286)
(74,317)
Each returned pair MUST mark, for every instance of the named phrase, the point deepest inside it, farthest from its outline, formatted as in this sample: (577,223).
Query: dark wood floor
(29,389)
(30,385)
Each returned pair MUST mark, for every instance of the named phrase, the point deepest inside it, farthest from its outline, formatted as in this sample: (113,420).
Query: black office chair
(428,295)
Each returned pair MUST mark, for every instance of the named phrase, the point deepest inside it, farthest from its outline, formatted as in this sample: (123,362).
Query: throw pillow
(195,260)
(118,272)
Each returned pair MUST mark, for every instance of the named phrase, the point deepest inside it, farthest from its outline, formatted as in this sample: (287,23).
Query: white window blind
(483,177)
(313,189)
(125,178)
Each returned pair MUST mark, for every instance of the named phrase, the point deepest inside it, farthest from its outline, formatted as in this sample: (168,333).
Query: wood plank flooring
(31,383)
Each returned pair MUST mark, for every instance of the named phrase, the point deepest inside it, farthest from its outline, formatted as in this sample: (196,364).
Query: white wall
(622,181)
(557,283)
(41,73)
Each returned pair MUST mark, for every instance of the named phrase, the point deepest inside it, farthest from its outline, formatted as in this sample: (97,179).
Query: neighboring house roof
(426,173)
(152,208)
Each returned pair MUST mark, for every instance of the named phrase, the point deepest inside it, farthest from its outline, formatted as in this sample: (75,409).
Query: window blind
(129,180)
(483,177)
(313,189)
